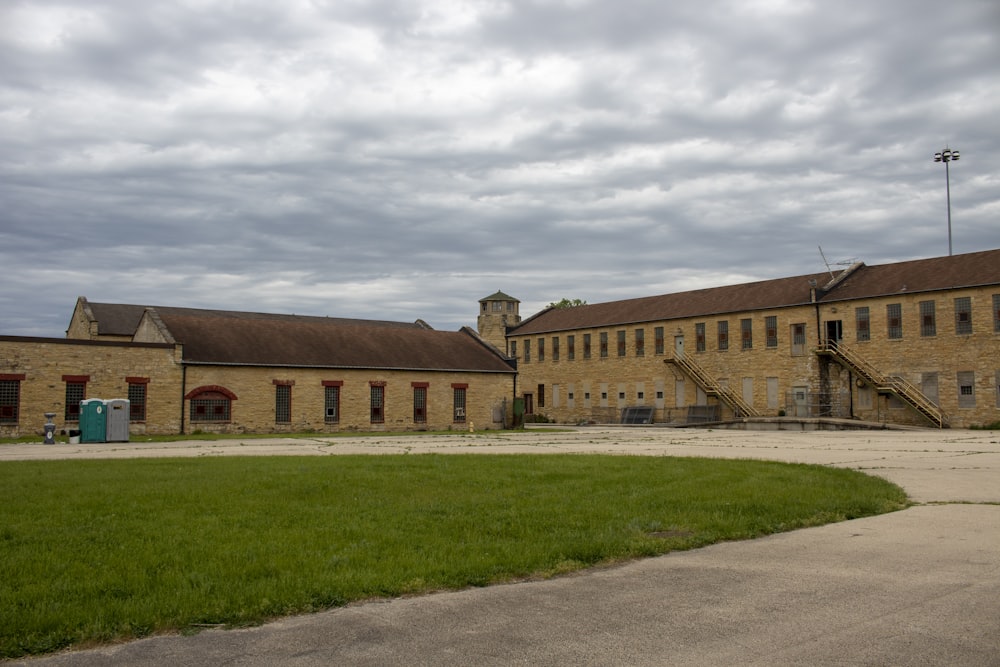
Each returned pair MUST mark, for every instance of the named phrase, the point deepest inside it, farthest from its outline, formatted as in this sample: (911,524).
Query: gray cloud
(404,159)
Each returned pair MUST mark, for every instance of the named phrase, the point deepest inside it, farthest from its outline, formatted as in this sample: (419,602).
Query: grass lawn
(99,551)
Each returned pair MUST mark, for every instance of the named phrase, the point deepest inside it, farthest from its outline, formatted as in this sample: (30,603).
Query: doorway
(678,346)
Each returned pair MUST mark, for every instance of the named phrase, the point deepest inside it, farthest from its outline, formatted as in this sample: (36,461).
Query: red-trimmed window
(377,402)
(420,402)
(76,391)
(211,404)
(283,401)
(459,401)
(10,397)
(331,400)
(137,398)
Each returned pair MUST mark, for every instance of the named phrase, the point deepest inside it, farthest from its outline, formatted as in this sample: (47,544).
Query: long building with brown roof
(911,342)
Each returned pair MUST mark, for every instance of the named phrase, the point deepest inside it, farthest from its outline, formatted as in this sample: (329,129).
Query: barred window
(331,404)
(746,333)
(527,351)
(723,331)
(963,315)
(377,404)
(137,401)
(604,344)
(586,346)
(771,331)
(928,321)
(863,324)
(966,389)
(419,404)
(621,343)
(640,342)
(459,400)
(894,320)
(541,395)
(996,312)
(513,349)
(571,347)
(658,339)
(699,337)
(282,403)
(555,348)
(10,401)
(798,339)
(541,349)
(210,409)
(75,392)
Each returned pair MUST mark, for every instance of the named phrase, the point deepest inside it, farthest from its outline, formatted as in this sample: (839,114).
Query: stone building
(910,343)
(187,370)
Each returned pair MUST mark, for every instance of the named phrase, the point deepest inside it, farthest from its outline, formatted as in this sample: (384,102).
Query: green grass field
(99,551)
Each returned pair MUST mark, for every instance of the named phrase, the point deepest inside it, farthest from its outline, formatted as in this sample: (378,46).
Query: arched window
(210,404)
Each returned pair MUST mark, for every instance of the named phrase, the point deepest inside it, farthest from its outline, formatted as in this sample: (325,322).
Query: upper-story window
(621,343)
(571,347)
(963,315)
(541,349)
(894,320)
(640,342)
(586,346)
(928,319)
(555,348)
(723,331)
(604,344)
(862,323)
(746,333)
(658,339)
(771,330)
(699,337)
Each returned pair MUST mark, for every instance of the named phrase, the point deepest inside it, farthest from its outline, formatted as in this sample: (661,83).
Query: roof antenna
(826,262)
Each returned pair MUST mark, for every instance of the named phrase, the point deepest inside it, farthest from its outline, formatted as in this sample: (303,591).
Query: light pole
(946,156)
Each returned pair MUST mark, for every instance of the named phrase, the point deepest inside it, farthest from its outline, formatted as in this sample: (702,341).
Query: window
(746,333)
(798,339)
(658,339)
(211,404)
(541,395)
(527,351)
(10,397)
(963,315)
(863,324)
(331,401)
(497,306)
(894,320)
(996,313)
(510,306)
(771,331)
(998,388)
(76,391)
(458,391)
(555,348)
(928,323)
(420,402)
(621,343)
(586,346)
(604,344)
(571,347)
(723,331)
(640,342)
(966,389)
(541,349)
(699,337)
(282,402)
(513,349)
(377,402)
(137,399)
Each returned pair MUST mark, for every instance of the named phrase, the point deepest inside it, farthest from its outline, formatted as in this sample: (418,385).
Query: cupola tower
(496,313)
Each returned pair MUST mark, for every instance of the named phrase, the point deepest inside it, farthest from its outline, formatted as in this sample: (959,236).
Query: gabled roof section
(264,339)
(779,293)
(975,269)
(499,296)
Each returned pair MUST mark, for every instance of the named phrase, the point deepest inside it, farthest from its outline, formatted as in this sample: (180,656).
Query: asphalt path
(915,587)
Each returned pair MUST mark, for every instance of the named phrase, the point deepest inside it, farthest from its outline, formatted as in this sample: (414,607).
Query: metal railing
(740,407)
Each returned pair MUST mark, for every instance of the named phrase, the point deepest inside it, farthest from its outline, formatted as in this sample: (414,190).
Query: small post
(50,429)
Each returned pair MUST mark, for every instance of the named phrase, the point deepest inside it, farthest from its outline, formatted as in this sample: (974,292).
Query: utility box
(93,420)
(117,411)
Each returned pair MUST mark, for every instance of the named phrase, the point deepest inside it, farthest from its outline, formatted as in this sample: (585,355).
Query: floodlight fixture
(946,156)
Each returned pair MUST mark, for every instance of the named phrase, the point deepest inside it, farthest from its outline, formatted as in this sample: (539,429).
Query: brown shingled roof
(920,275)
(938,273)
(716,300)
(231,337)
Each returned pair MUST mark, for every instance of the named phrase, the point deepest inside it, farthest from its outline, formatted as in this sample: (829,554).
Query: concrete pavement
(916,587)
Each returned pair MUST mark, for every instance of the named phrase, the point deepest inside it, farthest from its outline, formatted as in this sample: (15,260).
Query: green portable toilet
(93,420)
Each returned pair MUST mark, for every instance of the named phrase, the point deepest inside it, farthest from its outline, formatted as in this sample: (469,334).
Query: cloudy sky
(397,159)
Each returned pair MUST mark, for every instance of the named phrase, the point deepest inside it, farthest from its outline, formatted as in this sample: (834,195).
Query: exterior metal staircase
(885,384)
(740,407)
